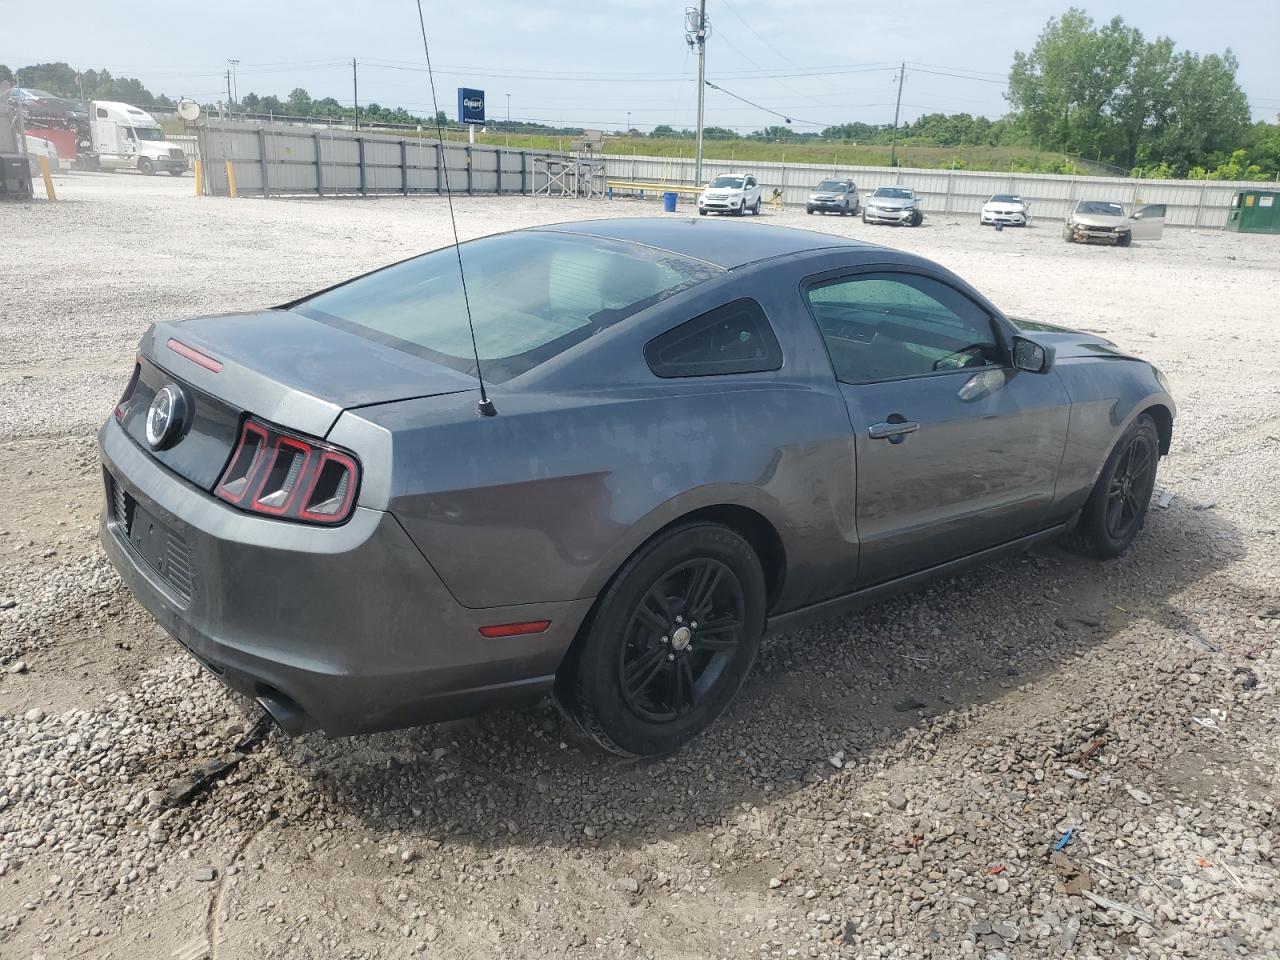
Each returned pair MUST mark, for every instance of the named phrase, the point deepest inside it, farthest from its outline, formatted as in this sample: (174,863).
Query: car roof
(724,243)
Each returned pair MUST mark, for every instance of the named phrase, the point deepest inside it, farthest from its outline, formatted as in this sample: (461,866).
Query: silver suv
(836,196)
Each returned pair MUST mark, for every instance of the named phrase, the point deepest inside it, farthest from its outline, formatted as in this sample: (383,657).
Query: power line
(786,117)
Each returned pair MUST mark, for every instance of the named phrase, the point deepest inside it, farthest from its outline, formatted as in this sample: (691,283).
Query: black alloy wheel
(669,642)
(682,633)
(1133,477)
(1117,508)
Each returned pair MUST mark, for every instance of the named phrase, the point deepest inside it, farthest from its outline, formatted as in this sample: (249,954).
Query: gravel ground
(891,784)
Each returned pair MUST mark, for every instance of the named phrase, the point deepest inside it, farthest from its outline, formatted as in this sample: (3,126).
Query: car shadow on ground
(853,685)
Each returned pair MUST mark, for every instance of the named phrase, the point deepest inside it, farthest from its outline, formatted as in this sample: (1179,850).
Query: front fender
(1107,395)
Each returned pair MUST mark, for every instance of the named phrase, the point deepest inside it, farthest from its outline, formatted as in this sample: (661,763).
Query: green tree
(1107,92)
(5,74)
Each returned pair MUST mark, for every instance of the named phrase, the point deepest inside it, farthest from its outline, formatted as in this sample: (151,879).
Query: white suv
(734,193)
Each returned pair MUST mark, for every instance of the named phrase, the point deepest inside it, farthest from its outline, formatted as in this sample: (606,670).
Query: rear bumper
(349,625)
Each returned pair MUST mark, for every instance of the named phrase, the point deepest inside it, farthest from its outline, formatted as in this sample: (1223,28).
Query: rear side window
(734,338)
(533,295)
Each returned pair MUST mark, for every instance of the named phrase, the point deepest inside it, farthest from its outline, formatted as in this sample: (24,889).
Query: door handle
(894,432)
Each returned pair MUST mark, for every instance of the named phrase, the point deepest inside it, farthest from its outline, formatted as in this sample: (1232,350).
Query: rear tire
(176,173)
(1117,508)
(755,210)
(669,643)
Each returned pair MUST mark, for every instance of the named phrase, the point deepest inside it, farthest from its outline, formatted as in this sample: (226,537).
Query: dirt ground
(889,784)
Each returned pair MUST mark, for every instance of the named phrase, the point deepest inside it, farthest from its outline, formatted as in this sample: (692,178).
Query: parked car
(1105,221)
(897,205)
(40,147)
(731,193)
(305,496)
(836,196)
(1005,208)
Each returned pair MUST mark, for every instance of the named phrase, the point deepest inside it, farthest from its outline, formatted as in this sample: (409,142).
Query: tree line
(1102,93)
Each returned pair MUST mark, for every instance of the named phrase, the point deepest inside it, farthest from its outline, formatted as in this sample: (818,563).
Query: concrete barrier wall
(295,159)
(958,193)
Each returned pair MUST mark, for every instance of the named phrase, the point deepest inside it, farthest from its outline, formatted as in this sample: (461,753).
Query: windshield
(732,183)
(533,295)
(895,193)
(149,133)
(1100,207)
(1005,198)
(832,186)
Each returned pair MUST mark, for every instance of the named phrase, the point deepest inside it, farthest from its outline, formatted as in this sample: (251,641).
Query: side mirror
(1031,356)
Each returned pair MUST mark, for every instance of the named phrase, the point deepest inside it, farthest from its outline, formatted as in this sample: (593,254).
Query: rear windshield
(533,295)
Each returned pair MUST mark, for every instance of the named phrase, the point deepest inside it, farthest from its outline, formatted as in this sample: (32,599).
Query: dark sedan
(703,431)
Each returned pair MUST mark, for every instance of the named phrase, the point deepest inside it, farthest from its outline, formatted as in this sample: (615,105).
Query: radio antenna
(485,407)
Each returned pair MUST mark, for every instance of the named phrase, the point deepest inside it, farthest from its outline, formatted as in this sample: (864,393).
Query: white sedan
(39,147)
(1007,208)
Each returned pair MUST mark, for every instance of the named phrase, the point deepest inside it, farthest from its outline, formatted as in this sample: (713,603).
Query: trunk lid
(277,365)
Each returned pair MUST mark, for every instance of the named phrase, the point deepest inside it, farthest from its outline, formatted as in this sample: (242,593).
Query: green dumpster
(1255,211)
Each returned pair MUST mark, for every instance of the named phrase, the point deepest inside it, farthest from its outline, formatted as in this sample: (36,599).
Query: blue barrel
(669,201)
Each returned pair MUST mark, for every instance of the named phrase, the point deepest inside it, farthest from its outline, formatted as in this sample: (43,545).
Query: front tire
(1117,508)
(670,642)
(1124,240)
(146,167)
(702,211)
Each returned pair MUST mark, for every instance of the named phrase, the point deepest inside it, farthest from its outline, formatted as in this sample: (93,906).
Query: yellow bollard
(199,172)
(48,178)
(231,180)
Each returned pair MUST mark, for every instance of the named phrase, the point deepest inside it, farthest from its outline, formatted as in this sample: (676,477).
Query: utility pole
(235,87)
(893,149)
(696,32)
(355,93)
(628,121)
(229,100)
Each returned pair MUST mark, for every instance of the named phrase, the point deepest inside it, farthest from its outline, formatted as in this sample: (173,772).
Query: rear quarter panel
(591,454)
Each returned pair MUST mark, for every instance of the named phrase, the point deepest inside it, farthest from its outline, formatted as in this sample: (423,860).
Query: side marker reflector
(515,629)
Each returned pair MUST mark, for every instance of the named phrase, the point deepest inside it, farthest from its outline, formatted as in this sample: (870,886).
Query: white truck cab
(125,137)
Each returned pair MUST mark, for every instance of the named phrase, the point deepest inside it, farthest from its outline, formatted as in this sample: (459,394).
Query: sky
(609,64)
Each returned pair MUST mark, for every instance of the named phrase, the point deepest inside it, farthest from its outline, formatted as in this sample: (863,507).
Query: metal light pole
(696,32)
(355,94)
(235,87)
(893,149)
(628,121)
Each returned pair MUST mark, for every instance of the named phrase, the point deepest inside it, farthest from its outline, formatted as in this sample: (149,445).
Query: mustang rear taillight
(128,391)
(281,474)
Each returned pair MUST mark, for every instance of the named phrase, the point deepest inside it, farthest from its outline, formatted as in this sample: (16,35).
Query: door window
(887,326)
(1154,211)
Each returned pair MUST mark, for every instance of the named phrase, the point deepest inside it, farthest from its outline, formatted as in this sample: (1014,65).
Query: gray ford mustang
(704,431)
